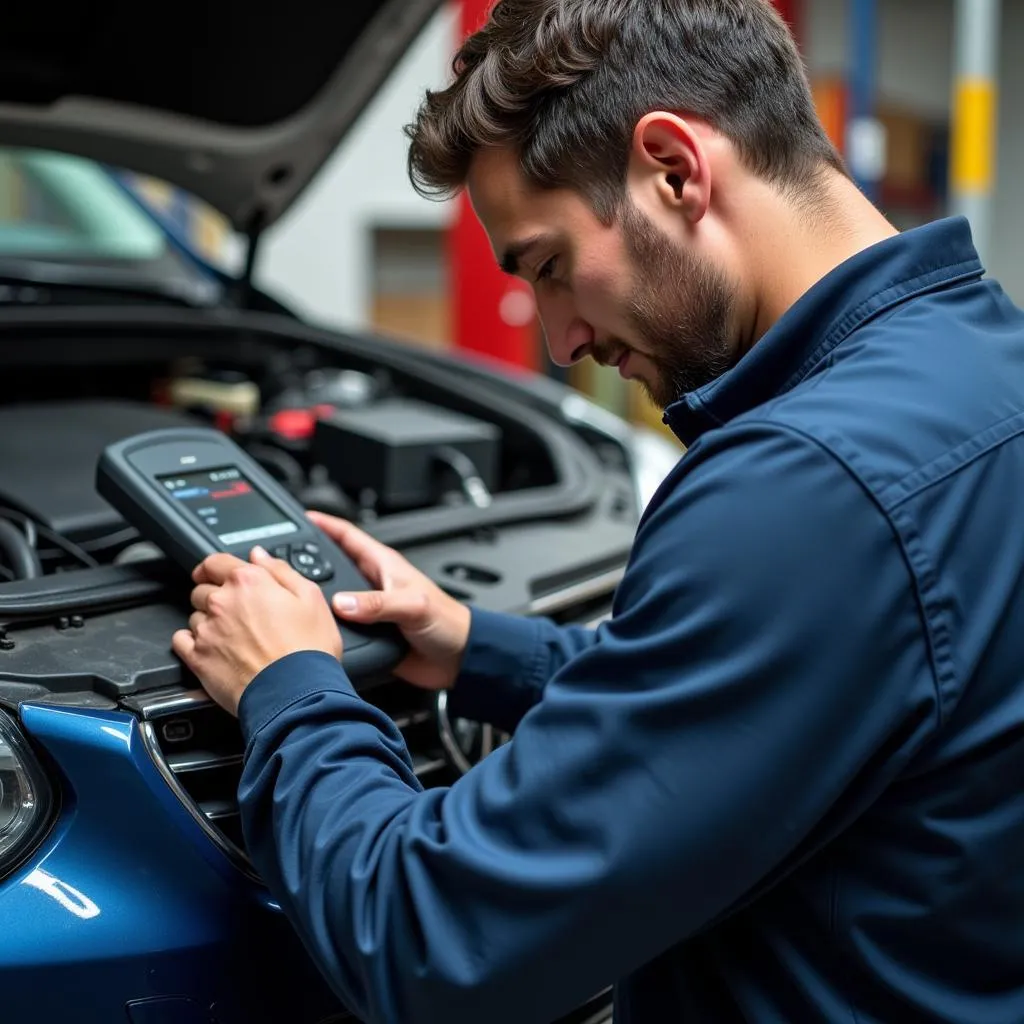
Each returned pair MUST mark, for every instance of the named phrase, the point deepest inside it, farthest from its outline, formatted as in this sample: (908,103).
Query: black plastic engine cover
(48,456)
(114,653)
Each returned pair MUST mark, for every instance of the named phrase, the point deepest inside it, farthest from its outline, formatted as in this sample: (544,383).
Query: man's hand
(249,615)
(435,625)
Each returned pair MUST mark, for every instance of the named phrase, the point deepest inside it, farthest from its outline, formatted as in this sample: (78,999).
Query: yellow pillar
(975,112)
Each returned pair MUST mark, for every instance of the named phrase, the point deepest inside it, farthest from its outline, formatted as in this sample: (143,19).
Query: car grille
(198,747)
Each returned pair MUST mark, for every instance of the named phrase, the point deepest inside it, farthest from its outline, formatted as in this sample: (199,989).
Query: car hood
(240,104)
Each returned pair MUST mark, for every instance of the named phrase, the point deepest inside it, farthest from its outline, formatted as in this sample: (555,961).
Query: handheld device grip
(193,492)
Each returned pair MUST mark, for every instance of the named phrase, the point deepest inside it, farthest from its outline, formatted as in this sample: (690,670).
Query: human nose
(569,337)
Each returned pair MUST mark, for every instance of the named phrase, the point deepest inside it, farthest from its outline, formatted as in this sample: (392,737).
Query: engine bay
(484,488)
(341,441)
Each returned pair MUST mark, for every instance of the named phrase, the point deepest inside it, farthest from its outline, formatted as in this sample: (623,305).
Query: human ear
(669,163)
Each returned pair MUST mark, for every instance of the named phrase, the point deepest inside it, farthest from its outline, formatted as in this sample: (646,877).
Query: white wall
(318,258)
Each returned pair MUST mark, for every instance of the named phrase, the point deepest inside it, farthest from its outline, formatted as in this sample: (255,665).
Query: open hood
(236,102)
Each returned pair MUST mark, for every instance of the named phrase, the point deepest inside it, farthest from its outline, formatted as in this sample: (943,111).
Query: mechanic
(784,781)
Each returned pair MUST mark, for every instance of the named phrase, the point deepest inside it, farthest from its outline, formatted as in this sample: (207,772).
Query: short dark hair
(555,80)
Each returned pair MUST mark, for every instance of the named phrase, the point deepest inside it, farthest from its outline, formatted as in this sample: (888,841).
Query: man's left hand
(249,615)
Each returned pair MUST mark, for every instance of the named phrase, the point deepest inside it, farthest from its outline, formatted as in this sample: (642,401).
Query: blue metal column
(865,143)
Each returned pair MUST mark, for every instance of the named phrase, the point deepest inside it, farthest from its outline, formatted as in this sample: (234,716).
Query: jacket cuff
(285,681)
(502,674)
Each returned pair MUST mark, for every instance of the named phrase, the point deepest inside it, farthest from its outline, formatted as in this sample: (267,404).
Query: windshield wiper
(37,282)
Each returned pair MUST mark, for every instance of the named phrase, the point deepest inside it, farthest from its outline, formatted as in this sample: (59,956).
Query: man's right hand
(435,625)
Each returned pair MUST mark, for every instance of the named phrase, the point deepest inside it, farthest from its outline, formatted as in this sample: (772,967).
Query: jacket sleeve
(763,678)
(509,660)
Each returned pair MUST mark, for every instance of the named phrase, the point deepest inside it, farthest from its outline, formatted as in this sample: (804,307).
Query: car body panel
(127,899)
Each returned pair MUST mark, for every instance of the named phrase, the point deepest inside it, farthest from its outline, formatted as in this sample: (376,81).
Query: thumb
(407,609)
(183,643)
(353,541)
(342,532)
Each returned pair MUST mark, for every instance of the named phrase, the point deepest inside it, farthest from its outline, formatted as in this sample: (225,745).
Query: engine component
(343,389)
(346,389)
(235,396)
(401,450)
(17,553)
(143,551)
(323,495)
(48,455)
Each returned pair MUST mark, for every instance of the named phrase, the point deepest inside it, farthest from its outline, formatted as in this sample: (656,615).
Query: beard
(681,307)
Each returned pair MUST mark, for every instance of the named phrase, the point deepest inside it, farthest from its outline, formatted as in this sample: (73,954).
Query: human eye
(547,271)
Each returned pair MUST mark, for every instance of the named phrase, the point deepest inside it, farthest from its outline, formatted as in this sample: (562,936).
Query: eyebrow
(517,250)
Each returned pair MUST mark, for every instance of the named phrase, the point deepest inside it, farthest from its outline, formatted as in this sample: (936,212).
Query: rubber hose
(18,554)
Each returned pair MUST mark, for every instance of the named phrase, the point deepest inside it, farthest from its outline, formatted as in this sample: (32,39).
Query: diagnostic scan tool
(194,492)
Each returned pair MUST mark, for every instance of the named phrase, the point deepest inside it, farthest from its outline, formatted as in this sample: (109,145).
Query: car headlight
(25,797)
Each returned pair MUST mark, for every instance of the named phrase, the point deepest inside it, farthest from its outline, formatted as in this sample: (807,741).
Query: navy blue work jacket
(785,783)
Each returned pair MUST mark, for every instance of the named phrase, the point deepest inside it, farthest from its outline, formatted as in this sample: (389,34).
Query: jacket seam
(957,459)
(886,301)
(933,642)
(537,674)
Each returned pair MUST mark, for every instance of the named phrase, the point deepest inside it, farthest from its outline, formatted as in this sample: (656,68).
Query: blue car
(125,890)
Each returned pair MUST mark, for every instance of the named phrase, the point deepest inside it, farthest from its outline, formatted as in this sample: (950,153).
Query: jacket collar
(856,292)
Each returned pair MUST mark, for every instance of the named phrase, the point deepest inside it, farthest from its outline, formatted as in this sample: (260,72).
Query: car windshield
(62,209)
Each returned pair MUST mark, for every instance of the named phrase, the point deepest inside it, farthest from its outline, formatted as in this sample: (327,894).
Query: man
(784,782)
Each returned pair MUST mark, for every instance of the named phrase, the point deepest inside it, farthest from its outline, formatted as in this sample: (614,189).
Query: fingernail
(345,603)
(259,553)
